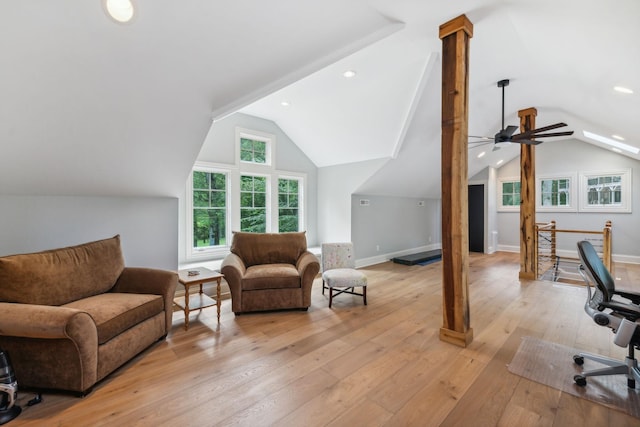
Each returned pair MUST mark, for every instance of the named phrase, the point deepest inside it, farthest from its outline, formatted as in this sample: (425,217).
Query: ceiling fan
(506,135)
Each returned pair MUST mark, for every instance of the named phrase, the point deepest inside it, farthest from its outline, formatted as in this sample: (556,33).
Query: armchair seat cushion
(271,276)
(114,313)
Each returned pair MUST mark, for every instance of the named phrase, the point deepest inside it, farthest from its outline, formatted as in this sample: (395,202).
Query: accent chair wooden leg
(323,287)
(330,296)
(364,294)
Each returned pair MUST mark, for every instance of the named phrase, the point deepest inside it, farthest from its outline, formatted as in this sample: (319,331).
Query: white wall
(573,156)
(336,184)
(393,226)
(147,225)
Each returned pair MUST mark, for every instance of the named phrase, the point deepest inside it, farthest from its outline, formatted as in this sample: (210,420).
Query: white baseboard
(365,262)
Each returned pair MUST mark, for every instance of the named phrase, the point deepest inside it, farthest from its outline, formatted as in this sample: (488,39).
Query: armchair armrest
(233,269)
(137,280)
(308,267)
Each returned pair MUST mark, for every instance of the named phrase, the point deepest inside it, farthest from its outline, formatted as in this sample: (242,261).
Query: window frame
(301,179)
(626,191)
(209,251)
(267,138)
(267,199)
(499,205)
(573,193)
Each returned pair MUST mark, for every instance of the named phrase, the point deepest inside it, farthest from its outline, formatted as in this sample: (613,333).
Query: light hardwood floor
(379,365)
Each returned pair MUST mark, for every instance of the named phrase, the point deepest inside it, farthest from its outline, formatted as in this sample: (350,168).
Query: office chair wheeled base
(615,367)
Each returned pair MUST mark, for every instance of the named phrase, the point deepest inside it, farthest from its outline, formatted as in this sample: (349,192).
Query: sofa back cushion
(269,248)
(59,276)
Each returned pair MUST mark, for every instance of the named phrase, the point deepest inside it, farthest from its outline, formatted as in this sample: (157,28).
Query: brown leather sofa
(269,271)
(73,315)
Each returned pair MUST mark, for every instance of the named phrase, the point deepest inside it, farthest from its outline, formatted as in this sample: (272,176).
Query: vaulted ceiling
(92,107)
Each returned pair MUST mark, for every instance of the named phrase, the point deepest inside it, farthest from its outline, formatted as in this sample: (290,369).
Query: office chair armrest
(634,298)
(629,311)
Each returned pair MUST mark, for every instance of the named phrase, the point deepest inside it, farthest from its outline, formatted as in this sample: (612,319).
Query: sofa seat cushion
(114,313)
(271,276)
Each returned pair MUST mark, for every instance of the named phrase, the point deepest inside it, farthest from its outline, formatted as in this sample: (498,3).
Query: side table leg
(186,307)
(218,299)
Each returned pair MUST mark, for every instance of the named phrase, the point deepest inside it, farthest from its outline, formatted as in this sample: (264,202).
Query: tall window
(209,209)
(253,203)
(288,205)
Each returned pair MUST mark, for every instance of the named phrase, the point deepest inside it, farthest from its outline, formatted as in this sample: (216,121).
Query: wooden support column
(455,36)
(528,238)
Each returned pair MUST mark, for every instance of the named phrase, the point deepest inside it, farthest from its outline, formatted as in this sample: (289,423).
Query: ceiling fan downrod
(502,84)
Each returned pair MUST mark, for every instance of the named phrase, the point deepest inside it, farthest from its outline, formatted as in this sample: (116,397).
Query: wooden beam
(455,36)
(528,238)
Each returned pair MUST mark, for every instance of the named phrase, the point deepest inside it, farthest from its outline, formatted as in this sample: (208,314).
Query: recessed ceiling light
(611,142)
(120,10)
(500,162)
(349,73)
(622,89)
(618,137)
(285,103)
(481,154)
(617,150)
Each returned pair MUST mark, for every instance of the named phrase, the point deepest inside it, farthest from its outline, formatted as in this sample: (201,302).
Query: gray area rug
(552,364)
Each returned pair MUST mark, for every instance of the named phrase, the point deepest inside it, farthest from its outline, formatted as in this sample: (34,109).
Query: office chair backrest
(596,270)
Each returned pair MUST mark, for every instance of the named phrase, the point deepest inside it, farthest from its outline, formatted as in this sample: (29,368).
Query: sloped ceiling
(88,106)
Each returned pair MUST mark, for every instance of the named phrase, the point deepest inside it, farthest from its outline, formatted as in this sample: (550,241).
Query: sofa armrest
(31,324)
(48,322)
(233,269)
(138,280)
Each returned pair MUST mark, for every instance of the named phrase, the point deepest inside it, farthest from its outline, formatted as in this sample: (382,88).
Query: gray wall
(219,147)
(573,156)
(392,226)
(147,225)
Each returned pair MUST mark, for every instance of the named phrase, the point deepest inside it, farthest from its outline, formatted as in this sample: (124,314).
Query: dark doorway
(476,218)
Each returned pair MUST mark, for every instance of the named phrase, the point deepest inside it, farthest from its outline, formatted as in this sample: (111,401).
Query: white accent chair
(339,271)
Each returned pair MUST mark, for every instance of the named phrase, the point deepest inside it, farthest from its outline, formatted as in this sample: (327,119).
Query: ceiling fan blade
(543,129)
(522,136)
(488,138)
(509,130)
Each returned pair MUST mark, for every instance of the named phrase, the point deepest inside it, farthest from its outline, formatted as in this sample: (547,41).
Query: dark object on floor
(418,258)
(8,390)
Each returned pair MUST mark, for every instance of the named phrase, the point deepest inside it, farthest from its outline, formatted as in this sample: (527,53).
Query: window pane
(201,199)
(200,179)
(259,184)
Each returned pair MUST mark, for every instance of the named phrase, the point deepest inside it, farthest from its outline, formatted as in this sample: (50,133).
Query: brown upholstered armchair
(269,271)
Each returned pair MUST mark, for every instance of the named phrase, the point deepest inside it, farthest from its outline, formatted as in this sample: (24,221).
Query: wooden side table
(200,300)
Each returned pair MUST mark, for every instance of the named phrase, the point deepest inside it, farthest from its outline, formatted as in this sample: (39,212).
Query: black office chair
(605,307)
